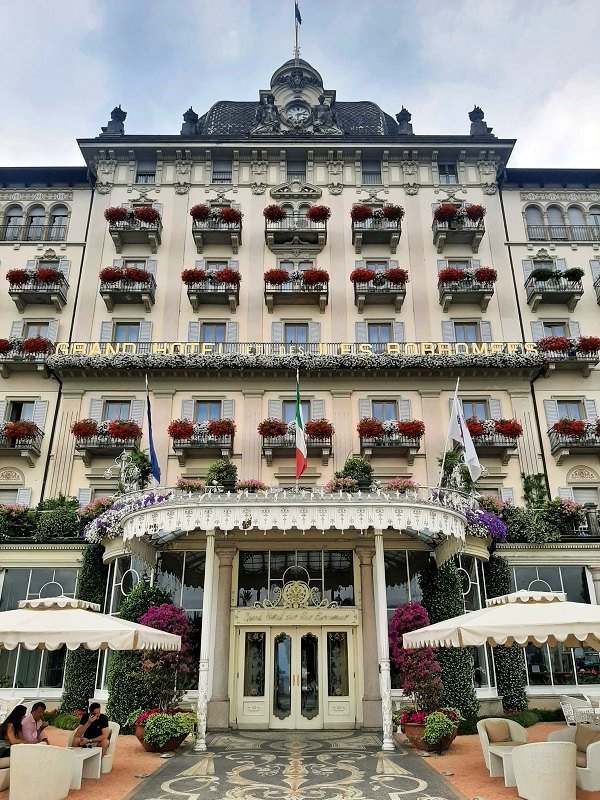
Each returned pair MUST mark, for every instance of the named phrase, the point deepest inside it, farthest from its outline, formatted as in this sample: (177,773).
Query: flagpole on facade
(296,16)
(454,400)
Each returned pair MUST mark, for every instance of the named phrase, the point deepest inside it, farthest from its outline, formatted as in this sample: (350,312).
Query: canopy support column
(383,647)
(205,639)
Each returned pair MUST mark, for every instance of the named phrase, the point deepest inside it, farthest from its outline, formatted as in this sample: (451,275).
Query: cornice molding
(552,194)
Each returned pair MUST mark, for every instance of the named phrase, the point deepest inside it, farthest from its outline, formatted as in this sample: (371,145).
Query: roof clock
(297,114)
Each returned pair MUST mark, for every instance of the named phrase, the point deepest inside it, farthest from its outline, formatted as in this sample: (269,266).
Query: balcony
(91,447)
(574,360)
(465,291)
(286,446)
(376,231)
(496,446)
(28,448)
(556,291)
(201,445)
(18,361)
(36,293)
(390,444)
(460,232)
(33,233)
(134,231)
(295,231)
(563,233)
(296,293)
(562,445)
(381,294)
(209,293)
(215,231)
(128,292)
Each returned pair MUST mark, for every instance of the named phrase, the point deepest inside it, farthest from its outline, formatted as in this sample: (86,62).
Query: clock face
(297,113)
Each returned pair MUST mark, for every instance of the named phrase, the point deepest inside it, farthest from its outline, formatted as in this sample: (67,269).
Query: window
(145,172)
(535,223)
(555,329)
(296,170)
(556,223)
(459,263)
(126,332)
(116,409)
(371,172)
(222,171)
(33,329)
(595,216)
(20,409)
(376,265)
(295,333)
(475,408)
(13,220)
(586,495)
(384,410)
(8,496)
(289,410)
(135,263)
(296,266)
(215,266)
(379,334)
(205,410)
(58,223)
(213,332)
(570,409)
(448,173)
(466,332)
(35,223)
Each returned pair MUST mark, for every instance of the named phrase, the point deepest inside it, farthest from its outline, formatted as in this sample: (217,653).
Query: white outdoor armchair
(40,772)
(576,710)
(489,731)
(587,755)
(545,770)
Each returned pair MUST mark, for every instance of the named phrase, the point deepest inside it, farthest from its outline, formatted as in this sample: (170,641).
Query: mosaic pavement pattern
(260,765)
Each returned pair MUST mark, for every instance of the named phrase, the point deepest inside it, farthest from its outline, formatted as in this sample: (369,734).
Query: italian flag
(300,437)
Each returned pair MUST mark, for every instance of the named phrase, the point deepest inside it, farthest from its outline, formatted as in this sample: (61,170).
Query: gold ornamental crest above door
(295,594)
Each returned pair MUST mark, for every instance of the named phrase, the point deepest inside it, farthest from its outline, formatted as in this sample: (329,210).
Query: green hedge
(525,718)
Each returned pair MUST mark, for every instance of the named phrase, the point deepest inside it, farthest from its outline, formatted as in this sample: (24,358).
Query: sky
(532,65)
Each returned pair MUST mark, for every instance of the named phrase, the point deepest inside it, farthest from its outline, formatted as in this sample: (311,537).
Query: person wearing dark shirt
(93,729)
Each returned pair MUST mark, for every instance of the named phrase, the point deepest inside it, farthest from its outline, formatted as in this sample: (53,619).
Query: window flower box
(115,214)
(475,427)
(17,277)
(192,276)
(5,346)
(274,213)
(574,437)
(110,274)
(21,429)
(319,428)
(379,288)
(485,275)
(84,428)
(362,275)
(221,427)
(392,212)
(181,429)
(42,286)
(446,212)
(228,276)
(339,484)
(37,344)
(230,216)
(127,285)
(464,286)
(388,438)
(277,276)
(146,214)
(554,344)
(545,285)
(412,429)
(509,428)
(312,277)
(220,225)
(370,428)
(569,427)
(301,229)
(495,437)
(48,275)
(191,484)
(452,275)
(298,288)
(200,212)
(318,213)
(220,288)
(124,429)
(475,212)
(396,276)
(272,427)
(361,212)
(573,274)
(194,439)
(402,485)
(21,437)
(588,344)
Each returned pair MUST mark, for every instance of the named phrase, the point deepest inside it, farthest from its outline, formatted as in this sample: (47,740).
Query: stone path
(260,765)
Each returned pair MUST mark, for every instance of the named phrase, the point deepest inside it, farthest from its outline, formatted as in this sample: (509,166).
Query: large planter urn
(168,747)
(414,733)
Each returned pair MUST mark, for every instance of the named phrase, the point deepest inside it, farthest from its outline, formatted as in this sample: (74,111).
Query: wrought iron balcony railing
(215,231)
(37,293)
(495,444)
(286,445)
(376,230)
(392,444)
(200,443)
(91,447)
(296,293)
(209,293)
(295,229)
(563,233)
(555,291)
(465,291)
(562,445)
(29,448)
(382,293)
(465,231)
(128,292)
(33,233)
(135,231)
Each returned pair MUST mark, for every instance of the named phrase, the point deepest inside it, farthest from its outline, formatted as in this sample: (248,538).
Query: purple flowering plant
(108,524)
(485,524)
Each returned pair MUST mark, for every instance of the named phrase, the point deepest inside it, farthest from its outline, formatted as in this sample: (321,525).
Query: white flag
(460,433)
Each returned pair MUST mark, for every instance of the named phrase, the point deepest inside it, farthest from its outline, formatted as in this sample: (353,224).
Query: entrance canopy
(51,622)
(523,617)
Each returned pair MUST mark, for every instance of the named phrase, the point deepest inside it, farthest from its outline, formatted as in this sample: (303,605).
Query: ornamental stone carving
(266,118)
(411,188)
(258,188)
(106,166)
(582,474)
(409,167)
(182,188)
(489,188)
(103,187)
(258,167)
(335,188)
(35,194)
(583,196)
(296,190)
(295,594)
(10,476)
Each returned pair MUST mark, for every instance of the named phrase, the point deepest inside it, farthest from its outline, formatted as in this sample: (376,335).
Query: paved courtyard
(258,765)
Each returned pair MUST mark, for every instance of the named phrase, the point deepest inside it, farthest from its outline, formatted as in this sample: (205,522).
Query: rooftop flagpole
(297,23)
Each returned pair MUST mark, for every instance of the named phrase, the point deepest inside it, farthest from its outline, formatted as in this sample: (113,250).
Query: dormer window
(222,170)
(371,172)
(448,173)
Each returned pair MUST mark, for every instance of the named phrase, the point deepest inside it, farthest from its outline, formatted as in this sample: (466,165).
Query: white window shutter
(158,207)
(448,334)
(364,408)
(398,331)
(31,264)
(275,409)
(475,263)
(145,334)
(96,406)
(507,493)
(200,263)
(194,331)
(117,262)
(53,330)
(561,264)
(495,408)
(23,497)
(106,332)
(2,410)
(137,409)
(16,329)
(362,264)
(228,409)
(314,332)
(187,409)
(361,332)
(231,332)
(84,496)
(595,267)
(151,266)
(565,493)
(317,409)
(591,413)
(404,409)
(486,330)
(277,332)
(527,267)
(393,264)
(551,409)
(64,266)
(574,329)
(537,331)
(234,265)
(40,408)
(442,263)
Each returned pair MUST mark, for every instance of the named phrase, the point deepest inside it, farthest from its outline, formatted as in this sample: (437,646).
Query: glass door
(298,668)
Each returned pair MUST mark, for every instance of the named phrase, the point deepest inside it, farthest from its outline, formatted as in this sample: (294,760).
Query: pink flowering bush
(419,669)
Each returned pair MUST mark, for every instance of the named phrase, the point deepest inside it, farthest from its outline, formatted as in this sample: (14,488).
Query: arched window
(59,217)
(556,223)
(301,219)
(35,223)
(535,223)
(595,221)
(576,219)
(13,220)
(289,221)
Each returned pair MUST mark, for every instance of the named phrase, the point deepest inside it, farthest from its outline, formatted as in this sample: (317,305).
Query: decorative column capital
(225,555)
(365,555)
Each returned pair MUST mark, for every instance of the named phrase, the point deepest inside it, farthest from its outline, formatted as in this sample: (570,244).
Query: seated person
(11,730)
(33,729)
(93,729)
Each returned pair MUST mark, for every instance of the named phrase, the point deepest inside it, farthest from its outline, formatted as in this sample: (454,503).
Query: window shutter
(40,407)
(551,409)
(31,264)
(448,334)
(527,267)
(200,264)
(475,263)
(231,332)
(275,408)
(314,332)
(53,330)
(106,330)
(317,409)
(362,264)
(64,266)
(442,263)
(23,497)
(507,493)
(187,409)
(361,332)
(137,409)
(96,408)
(398,331)
(561,264)
(158,207)
(194,331)
(2,410)
(364,408)
(145,334)
(235,265)
(590,410)
(228,409)
(277,332)
(537,331)
(16,329)
(565,493)
(495,408)
(117,262)
(574,329)
(595,267)
(151,266)
(84,496)
(404,409)
(393,264)
(486,331)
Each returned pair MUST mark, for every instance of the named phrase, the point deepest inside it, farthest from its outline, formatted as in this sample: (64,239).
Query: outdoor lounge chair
(576,710)
(545,770)
(40,772)
(587,756)
(498,730)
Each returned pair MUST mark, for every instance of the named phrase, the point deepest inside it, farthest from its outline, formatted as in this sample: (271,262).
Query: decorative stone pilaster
(383,647)
(218,705)
(204,663)
(371,701)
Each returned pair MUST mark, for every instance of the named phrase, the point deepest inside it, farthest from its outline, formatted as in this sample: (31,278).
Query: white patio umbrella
(523,617)
(51,622)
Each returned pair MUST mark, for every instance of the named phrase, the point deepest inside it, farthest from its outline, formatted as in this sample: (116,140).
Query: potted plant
(475,427)
(358,468)
(17,277)
(227,275)
(370,428)
(230,216)
(313,277)
(251,485)
(319,428)
(573,274)
(544,274)
(318,213)
(392,212)
(341,484)
(124,429)
(588,344)
(136,275)
(475,212)
(276,277)
(181,429)
(509,428)
(37,344)
(5,346)
(271,427)
(554,344)
(199,213)
(146,214)
(485,275)
(110,274)
(115,214)
(396,276)
(402,485)
(411,428)
(361,212)
(221,427)
(191,276)
(445,212)
(48,275)
(362,275)
(274,213)
(162,731)
(222,472)
(21,429)
(570,427)
(191,484)
(84,428)
(451,275)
